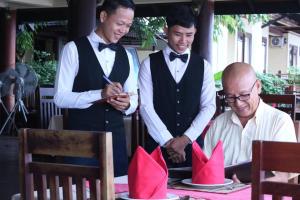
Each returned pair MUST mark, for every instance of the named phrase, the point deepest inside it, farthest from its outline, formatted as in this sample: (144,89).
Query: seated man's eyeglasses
(242,97)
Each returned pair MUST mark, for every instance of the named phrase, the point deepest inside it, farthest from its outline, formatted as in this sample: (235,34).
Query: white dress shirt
(157,129)
(68,69)
(268,124)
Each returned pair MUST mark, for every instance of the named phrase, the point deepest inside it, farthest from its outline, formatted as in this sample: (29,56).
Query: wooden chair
(139,132)
(220,103)
(284,102)
(274,156)
(42,175)
(47,106)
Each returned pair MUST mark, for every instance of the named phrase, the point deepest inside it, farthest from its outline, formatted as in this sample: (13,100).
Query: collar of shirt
(257,116)
(95,39)
(168,50)
(106,57)
(177,68)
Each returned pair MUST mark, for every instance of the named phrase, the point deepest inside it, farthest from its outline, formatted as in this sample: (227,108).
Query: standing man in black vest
(96,67)
(177,91)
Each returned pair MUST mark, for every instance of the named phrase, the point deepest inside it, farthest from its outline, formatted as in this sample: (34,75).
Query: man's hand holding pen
(111,89)
(115,96)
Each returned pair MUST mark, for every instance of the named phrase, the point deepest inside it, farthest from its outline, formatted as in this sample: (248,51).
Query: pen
(107,79)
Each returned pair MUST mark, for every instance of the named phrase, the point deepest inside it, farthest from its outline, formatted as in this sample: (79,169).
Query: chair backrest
(274,156)
(139,132)
(284,102)
(42,175)
(47,106)
(220,103)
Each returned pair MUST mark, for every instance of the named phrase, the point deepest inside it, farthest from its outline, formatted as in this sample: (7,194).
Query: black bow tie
(112,46)
(183,57)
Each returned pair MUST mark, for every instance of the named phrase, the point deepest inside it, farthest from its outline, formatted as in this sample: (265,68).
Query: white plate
(206,186)
(169,196)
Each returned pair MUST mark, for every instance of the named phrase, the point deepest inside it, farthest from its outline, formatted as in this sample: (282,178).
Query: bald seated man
(249,118)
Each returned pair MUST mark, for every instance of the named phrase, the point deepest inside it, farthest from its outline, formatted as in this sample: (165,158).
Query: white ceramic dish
(206,186)
(169,196)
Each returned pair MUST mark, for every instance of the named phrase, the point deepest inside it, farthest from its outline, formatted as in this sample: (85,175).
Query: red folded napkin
(147,175)
(208,171)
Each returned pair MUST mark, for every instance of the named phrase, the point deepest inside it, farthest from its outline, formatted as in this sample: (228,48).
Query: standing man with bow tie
(177,91)
(96,67)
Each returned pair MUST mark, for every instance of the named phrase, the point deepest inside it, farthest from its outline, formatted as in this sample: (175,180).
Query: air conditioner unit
(277,41)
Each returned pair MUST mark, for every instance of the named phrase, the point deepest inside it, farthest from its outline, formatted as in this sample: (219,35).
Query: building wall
(231,49)
(278,58)
(220,51)
(228,42)
(257,50)
(294,39)
(265,34)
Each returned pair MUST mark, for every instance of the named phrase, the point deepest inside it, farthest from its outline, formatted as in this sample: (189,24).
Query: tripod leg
(3,106)
(9,117)
(23,110)
(13,126)
(5,110)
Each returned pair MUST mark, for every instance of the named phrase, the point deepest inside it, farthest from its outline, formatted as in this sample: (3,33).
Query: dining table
(121,186)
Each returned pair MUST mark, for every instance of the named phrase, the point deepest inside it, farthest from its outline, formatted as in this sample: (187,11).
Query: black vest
(99,116)
(176,104)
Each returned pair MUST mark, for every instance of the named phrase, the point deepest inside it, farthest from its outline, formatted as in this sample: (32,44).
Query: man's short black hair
(181,15)
(110,6)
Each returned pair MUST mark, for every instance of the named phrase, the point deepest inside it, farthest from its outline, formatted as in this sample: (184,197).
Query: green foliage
(294,74)
(235,23)
(218,80)
(24,42)
(44,67)
(147,28)
(272,84)
(42,63)
(228,21)
(25,39)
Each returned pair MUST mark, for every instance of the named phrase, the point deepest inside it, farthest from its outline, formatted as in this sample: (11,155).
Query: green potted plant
(293,78)
(218,80)
(272,84)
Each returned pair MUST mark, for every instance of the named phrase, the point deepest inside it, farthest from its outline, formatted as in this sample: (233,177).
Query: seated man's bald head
(242,90)
(238,70)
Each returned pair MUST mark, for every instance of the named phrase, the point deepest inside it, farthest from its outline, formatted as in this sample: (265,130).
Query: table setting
(148,177)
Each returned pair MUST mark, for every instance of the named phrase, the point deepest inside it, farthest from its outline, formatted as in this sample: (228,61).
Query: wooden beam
(261,7)
(160,9)
(273,21)
(154,10)
(290,28)
(251,5)
(41,14)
